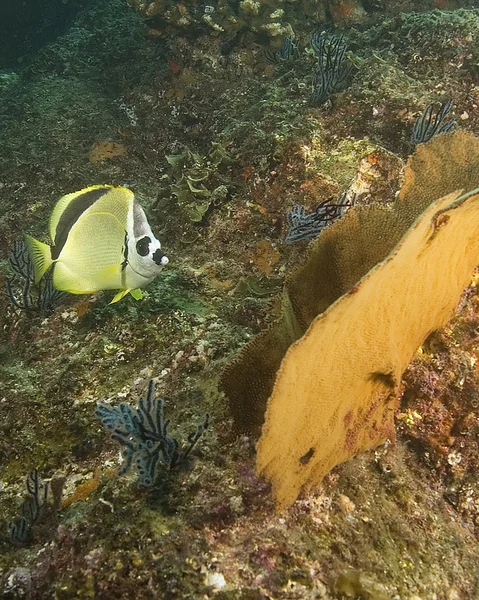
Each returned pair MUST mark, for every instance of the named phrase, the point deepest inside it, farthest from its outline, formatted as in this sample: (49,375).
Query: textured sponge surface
(337,388)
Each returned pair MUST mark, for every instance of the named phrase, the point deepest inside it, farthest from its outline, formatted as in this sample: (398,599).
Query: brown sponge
(371,289)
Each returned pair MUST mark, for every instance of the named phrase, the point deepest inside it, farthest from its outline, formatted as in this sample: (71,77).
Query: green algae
(265,128)
(172,291)
(338,159)
(428,41)
(198,182)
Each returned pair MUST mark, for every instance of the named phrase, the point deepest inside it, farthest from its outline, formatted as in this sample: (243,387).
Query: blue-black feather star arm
(433,121)
(33,509)
(22,290)
(333,67)
(284,54)
(142,434)
(304,226)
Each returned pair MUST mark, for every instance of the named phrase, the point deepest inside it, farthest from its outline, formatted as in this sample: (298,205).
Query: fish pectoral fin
(121,294)
(41,255)
(137,294)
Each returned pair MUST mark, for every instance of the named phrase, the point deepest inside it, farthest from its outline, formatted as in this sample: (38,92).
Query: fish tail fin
(41,255)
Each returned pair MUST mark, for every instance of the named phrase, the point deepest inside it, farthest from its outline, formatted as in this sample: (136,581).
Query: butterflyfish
(101,240)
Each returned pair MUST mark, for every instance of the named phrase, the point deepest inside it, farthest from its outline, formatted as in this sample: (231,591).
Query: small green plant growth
(198,182)
(425,40)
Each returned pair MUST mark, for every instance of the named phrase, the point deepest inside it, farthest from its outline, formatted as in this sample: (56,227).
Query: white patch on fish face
(145,257)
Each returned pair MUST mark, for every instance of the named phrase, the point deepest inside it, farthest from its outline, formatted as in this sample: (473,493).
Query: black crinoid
(307,226)
(333,69)
(24,293)
(433,121)
(33,509)
(142,434)
(284,54)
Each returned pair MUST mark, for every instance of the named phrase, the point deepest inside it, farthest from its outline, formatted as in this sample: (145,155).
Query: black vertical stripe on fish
(125,252)
(124,264)
(71,215)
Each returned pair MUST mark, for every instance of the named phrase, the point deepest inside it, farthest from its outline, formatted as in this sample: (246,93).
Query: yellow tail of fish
(41,255)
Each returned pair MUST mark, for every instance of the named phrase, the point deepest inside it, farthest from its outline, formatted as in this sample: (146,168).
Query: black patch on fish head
(143,246)
(158,256)
(71,215)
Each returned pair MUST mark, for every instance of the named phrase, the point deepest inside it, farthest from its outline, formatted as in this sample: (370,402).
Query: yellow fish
(101,241)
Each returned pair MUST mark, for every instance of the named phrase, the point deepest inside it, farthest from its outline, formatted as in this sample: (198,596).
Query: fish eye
(143,246)
(157,257)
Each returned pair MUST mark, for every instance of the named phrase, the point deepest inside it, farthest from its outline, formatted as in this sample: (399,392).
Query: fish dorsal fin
(76,203)
(93,256)
(117,202)
(99,198)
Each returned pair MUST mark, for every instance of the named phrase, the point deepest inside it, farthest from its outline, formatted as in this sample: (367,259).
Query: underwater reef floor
(218,144)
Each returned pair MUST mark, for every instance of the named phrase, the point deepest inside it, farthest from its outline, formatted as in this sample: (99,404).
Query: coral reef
(268,18)
(397,522)
(226,19)
(338,261)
